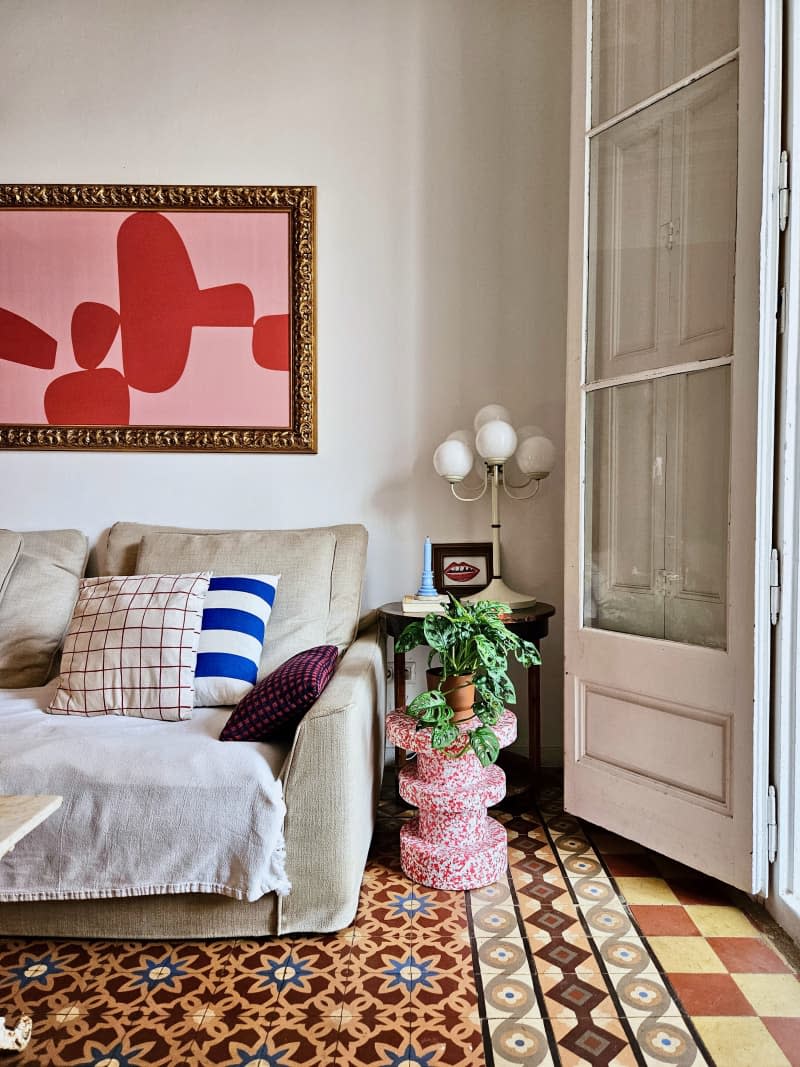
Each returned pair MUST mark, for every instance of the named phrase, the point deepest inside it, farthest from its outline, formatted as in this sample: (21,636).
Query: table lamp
(496,441)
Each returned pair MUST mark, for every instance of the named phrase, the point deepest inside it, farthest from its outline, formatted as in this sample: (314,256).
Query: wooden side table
(531,624)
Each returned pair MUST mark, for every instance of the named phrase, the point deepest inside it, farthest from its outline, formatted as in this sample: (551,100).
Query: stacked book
(424,605)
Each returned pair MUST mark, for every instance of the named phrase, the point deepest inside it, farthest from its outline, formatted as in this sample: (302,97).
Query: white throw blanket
(149,807)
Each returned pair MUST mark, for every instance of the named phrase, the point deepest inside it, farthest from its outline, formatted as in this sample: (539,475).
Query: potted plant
(473,646)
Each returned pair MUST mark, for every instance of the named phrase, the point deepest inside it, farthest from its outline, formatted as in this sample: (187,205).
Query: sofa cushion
(235,616)
(275,706)
(304,561)
(38,595)
(117,551)
(131,647)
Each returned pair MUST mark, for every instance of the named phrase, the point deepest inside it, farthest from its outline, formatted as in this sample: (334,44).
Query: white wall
(436,134)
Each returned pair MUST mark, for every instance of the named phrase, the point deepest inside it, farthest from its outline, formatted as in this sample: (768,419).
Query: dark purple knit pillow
(278,702)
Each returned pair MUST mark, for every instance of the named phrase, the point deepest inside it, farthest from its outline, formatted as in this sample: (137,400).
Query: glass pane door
(656,515)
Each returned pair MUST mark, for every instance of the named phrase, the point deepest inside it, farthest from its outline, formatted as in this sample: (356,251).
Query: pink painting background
(50,261)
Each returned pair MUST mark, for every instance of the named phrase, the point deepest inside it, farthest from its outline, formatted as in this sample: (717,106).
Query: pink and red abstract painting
(144,318)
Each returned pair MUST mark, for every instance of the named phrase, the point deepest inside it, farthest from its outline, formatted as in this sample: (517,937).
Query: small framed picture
(462,569)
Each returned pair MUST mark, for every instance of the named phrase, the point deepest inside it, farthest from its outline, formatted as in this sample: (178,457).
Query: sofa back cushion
(37,595)
(117,552)
(304,561)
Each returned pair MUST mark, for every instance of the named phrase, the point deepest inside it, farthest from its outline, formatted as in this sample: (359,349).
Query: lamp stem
(497,588)
(496,572)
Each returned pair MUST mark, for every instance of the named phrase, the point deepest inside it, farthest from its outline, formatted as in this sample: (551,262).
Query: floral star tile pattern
(590,952)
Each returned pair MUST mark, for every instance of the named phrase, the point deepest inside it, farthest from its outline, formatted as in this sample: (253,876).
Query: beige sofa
(331,773)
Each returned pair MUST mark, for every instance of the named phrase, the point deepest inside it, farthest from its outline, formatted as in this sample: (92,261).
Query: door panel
(666,212)
(694,748)
(641,47)
(663,232)
(630,202)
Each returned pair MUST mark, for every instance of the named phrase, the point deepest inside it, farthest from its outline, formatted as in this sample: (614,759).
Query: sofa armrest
(331,783)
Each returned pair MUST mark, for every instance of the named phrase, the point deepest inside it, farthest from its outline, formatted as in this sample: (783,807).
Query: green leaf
(412,636)
(437,630)
(485,745)
(431,698)
(489,700)
(434,716)
(489,654)
(488,714)
(443,735)
(527,654)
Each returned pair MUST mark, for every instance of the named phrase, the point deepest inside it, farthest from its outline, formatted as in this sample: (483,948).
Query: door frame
(784,899)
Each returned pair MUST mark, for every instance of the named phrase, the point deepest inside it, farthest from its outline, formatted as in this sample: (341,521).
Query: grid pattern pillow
(131,647)
(275,706)
(235,617)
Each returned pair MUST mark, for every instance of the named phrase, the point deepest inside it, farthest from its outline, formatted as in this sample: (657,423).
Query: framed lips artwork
(158,317)
(462,569)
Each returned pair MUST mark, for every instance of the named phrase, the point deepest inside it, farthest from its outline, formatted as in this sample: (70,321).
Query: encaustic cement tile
(100,1039)
(521,1041)
(379,1039)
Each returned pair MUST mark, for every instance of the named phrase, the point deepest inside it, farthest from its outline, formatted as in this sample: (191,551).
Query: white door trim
(784,899)
(765,441)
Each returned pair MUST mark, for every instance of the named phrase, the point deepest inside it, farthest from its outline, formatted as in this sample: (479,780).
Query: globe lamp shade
(496,441)
(536,456)
(467,437)
(453,460)
(529,431)
(488,413)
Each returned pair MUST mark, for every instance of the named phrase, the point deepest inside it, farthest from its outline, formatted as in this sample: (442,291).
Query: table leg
(534,725)
(399,702)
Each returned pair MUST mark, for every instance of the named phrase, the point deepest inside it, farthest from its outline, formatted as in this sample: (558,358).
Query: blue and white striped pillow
(235,616)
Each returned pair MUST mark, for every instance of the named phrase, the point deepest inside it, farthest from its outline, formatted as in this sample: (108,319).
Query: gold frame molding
(300,203)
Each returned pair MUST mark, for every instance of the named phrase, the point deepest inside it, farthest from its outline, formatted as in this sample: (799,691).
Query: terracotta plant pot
(458,691)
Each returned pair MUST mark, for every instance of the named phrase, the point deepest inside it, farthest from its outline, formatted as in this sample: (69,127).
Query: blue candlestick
(427,588)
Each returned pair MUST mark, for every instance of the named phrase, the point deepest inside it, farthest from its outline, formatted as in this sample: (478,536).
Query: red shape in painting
(271,342)
(88,398)
(160,302)
(94,327)
(23,342)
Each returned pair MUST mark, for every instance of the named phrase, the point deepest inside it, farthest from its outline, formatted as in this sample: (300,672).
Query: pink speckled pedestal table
(452,843)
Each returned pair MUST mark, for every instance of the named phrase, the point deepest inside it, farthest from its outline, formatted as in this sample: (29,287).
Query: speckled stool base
(452,843)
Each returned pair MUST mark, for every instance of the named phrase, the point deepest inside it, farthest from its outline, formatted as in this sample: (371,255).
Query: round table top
(535,617)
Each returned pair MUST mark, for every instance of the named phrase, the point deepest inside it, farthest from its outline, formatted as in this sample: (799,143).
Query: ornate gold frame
(300,203)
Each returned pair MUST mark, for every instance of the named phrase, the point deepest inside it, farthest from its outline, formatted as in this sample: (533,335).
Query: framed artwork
(179,318)
(462,569)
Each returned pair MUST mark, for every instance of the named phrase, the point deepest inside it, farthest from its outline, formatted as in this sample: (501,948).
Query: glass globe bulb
(496,441)
(536,456)
(453,460)
(466,437)
(529,431)
(490,412)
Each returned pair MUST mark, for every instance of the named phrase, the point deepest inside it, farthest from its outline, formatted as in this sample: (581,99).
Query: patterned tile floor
(592,951)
